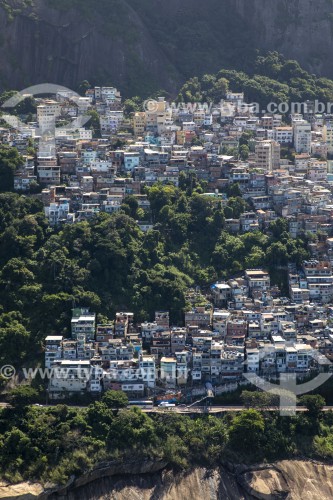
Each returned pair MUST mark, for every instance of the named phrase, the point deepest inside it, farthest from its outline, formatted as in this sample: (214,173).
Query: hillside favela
(166,250)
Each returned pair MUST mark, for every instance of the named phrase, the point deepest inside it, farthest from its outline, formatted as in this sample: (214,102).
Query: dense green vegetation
(272,79)
(14,9)
(51,444)
(108,264)
(10,161)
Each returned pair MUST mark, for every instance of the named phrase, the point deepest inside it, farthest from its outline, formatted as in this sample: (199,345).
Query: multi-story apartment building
(58,212)
(267,154)
(83,322)
(199,316)
(283,135)
(53,349)
(302,136)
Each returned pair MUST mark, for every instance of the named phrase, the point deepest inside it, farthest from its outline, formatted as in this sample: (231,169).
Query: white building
(111,121)
(148,370)
(85,134)
(53,349)
(302,136)
(131,160)
(47,114)
(69,376)
(58,212)
(83,322)
(283,135)
(253,360)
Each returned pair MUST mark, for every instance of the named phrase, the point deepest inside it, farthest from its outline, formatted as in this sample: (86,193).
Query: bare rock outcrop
(148,480)
(139,46)
(21,491)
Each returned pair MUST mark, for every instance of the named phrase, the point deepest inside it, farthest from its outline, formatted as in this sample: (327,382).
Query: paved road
(198,409)
(220,409)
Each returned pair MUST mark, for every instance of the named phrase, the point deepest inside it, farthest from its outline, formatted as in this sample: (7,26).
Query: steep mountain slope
(43,44)
(142,45)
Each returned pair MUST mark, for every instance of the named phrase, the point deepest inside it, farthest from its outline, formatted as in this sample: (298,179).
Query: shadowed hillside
(143,45)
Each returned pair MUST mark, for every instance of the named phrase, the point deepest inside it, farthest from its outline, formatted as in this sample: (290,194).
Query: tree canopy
(108,262)
(272,78)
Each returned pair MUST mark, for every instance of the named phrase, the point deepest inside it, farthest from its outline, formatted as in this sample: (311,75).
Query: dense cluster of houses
(81,175)
(245,325)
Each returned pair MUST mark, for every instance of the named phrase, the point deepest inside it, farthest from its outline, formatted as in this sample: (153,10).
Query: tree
(277,254)
(99,417)
(233,190)
(278,227)
(255,258)
(314,404)
(132,105)
(176,452)
(219,90)
(94,122)
(130,205)
(189,182)
(246,431)
(244,152)
(196,142)
(23,395)
(238,206)
(159,196)
(7,95)
(228,212)
(207,82)
(257,399)
(132,429)
(83,87)
(14,343)
(10,160)
(27,106)
(16,447)
(115,399)
(191,91)
(246,137)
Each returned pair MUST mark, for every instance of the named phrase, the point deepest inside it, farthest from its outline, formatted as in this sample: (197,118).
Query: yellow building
(180,137)
(139,123)
(328,136)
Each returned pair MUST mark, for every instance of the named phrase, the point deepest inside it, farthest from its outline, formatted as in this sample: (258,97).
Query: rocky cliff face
(141,45)
(44,44)
(292,480)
